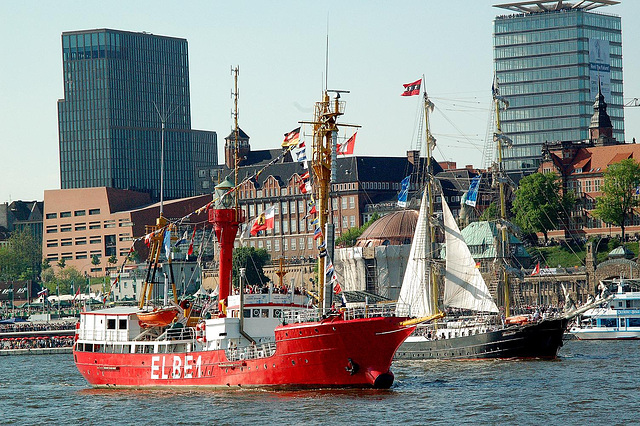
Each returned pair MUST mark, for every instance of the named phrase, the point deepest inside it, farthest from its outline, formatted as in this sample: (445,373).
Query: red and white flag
(147,239)
(264,221)
(411,89)
(190,251)
(347,147)
(536,270)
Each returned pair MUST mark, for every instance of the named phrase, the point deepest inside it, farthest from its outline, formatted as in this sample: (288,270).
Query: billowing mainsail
(464,287)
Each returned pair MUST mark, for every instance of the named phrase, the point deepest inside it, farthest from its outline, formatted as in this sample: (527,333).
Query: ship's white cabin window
(246,313)
(111,323)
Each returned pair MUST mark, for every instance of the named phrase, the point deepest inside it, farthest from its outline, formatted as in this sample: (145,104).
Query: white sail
(464,287)
(415,293)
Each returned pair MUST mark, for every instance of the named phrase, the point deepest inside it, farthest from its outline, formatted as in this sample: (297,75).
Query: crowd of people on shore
(20,327)
(36,342)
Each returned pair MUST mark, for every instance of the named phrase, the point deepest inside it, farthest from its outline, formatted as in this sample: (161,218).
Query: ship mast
(429,187)
(324,128)
(501,139)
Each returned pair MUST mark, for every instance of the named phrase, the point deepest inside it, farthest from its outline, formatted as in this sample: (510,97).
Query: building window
(285,207)
(293,244)
(345,222)
(80,213)
(352,202)
(276,245)
(80,227)
(52,243)
(65,214)
(352,221)
(293,207)
(344,203)
(65,228)
(94,211)
(94,225)
(52,215)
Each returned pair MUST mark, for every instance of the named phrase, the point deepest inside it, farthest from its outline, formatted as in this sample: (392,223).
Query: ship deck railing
(367,311)
(242,353)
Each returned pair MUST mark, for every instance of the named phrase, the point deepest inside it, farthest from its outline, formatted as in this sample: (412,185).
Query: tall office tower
(119,89)
(549,58)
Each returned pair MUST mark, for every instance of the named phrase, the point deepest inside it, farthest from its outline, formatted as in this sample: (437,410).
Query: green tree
(253,260)
(62,263)
(95,260)
(540,204)
(113,259)
(62,279)
(349,237)
(618,200)
(21,257)
(490,213)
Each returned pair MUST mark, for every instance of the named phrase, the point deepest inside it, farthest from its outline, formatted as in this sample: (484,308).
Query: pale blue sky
(375,47)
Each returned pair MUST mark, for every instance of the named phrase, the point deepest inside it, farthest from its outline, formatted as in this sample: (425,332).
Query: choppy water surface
(592,383)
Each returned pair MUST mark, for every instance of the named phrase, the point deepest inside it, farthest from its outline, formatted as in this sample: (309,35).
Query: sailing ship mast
(502,251)
(431,236)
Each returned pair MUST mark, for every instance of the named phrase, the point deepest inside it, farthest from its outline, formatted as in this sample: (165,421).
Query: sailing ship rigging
(475,326)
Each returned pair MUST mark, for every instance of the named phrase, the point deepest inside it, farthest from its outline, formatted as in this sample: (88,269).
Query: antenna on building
(163,119)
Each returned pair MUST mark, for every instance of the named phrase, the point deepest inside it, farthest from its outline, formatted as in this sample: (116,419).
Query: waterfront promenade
(37,338)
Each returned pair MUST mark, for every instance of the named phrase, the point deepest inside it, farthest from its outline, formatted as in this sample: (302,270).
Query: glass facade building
(548,65)
(117,86)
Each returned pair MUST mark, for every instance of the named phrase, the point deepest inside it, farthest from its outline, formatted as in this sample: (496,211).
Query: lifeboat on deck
(158,317)
(518,320)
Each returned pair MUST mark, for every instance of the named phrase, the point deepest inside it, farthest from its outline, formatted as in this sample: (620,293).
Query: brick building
(80,223)
(581,166)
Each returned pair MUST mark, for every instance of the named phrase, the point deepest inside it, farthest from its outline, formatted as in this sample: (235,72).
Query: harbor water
(591,383)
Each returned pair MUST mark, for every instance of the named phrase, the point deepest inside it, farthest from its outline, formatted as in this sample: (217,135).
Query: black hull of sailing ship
(534,340)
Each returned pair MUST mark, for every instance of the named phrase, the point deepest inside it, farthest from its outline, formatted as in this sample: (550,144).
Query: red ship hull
(330,353)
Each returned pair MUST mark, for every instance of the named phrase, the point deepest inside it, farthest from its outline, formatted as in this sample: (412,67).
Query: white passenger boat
(616,319)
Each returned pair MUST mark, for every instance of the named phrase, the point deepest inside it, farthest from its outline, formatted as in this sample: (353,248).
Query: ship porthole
(316,330)
(274,366)
(265,366)
(306,361)
(293,362)
(334,329)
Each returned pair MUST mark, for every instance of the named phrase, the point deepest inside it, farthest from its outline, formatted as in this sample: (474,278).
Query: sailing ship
(474,327)
(249,340)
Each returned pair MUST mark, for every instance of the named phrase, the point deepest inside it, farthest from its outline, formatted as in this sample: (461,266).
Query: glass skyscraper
(549,60)
(118,88)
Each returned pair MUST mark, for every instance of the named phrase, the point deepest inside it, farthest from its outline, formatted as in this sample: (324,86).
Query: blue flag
(167,242)
(404,191)
(472,194)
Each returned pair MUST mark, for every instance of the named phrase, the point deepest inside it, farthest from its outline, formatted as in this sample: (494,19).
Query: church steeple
(601,129)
